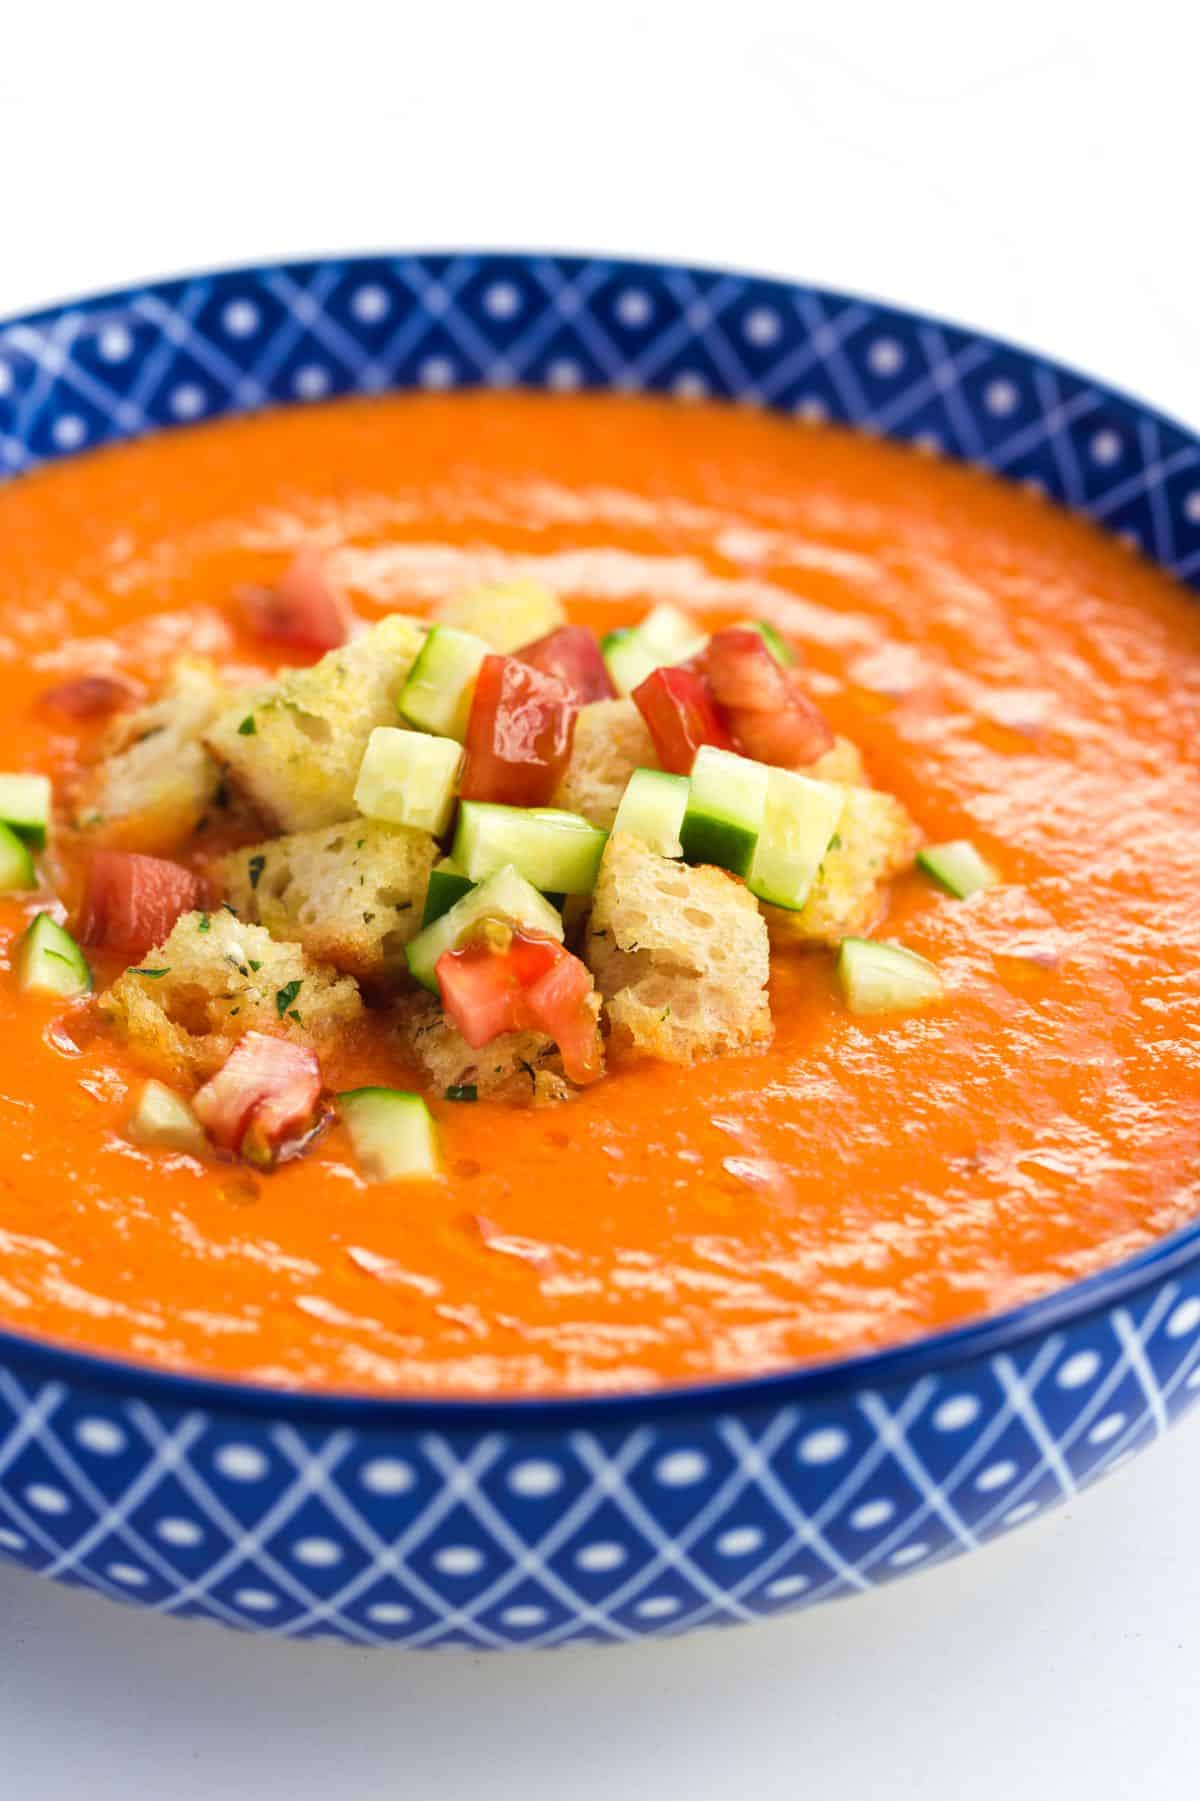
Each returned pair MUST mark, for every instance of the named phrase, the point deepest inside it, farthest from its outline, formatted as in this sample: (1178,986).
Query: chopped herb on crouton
(680,955)
(215,978)
(351,895)
(294,750)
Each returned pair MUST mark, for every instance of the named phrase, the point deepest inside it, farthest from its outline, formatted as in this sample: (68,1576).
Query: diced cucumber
(626,658)
(447,884)
(885,978)
(16,864)
(163,1119)
(50,962)
(393,1134)
(408,778)
(958,866)
(726,803)
(558,852)
(25,802)
(441,683)
(665,635)
(652,809)
(509,614)
(799,821)
(775,642)
(505,896)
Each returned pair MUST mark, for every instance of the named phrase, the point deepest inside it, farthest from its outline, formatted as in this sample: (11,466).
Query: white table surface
(1030,168)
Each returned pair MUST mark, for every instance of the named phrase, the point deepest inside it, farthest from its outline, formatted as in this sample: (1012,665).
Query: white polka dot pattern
(441,1529)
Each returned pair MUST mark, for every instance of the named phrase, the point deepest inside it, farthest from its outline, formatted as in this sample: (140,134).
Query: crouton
(523,1067)
(214,978)
(156,780)
(505,615)
(294,749)
(680,955)
(876,840)
(351,895)
(610,742)
(843,763)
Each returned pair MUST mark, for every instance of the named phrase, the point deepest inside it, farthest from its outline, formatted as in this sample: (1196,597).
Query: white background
(1026,168)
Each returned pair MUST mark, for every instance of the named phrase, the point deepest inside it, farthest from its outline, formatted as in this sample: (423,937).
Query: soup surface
(1012,675)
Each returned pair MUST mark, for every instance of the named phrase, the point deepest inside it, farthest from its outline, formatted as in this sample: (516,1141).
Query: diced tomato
(561,1003)
(518,734)
(678,707)
(768,712)
(304,610)
(132,901)
(90,697)
(572,654)
(532,984)
(266,1090)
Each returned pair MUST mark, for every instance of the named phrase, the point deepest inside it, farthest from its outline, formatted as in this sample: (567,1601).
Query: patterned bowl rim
(809,1383)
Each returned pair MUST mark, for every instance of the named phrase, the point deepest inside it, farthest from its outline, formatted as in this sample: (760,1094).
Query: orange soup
(1014,677)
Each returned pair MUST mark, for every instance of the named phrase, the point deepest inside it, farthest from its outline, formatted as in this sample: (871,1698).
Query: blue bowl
(512,1523)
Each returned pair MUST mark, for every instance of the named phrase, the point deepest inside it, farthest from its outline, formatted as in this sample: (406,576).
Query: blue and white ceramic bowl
(504,1523)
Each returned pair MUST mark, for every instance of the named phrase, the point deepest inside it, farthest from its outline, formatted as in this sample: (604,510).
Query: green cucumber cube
(164,1120)
(394,1135)
(408,778)
(652,809)
(558,852)
(17,872)
(25,804)
(726,803)
(505,896)
(958,867)
(441,683)
(50,962)
(447,884)
(799,820)
(885,978)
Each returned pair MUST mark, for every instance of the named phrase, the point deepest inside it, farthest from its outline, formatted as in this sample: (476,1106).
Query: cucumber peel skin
(17,873)
(49,961)
(447,884)
(393,1133)
(505,896)
(957,867)
(885,978)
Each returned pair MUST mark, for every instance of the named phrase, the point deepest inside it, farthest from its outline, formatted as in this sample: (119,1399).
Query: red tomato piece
(681,715)
(768,712)
(132,901)
(90,697)
(303,610)
(572,655)
(266,1090)
(532,984)
(561,1004)
(518,734)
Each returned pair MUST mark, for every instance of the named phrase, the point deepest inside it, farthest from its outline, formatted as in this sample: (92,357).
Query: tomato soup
(1010,674)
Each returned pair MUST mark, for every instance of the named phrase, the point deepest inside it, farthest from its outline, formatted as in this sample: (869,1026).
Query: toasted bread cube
(610,742)
(843,763)
(351,894)
(521,1067)
(294,750)
(214,978)
(877,840)
(680,955)
(505,615)
(156,780)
